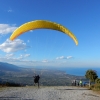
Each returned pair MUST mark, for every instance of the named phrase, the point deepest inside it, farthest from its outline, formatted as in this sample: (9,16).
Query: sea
(79,71)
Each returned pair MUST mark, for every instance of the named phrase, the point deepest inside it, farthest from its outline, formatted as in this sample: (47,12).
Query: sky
(51,48)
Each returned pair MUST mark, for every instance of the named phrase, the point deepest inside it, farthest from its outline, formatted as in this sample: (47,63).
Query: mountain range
(50,77)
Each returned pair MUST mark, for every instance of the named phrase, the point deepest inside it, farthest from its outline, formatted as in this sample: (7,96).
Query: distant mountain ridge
(8,67)
(48,77)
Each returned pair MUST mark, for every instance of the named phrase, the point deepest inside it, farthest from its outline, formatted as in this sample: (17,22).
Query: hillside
(24,76)
(8,67)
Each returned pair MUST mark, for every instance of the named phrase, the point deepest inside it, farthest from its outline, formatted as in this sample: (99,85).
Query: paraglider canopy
(40,24)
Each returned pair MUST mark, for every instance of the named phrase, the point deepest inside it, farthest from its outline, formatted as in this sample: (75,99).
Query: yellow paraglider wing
(39,24)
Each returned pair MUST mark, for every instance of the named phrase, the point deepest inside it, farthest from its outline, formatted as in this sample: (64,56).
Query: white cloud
(26,55)
(9,55)
(10,58)
(6,28)
(13,46)
(63,57)
(31,30)
(28,41)
(45,61)
(69,57)
(49,63)
(22,57)
(10,10)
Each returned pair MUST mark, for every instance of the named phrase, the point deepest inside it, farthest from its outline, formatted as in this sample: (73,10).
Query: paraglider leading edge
(42,24)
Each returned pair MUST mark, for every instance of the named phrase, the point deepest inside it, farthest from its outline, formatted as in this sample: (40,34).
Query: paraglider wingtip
(76,43)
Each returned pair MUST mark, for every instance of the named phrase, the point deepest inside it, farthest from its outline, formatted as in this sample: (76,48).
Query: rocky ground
(47,93)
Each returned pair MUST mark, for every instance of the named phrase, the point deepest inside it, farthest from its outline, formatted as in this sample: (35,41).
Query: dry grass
(2,88)
(97,92)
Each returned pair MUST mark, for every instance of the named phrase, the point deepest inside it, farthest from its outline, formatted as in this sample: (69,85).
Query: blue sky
(45,47)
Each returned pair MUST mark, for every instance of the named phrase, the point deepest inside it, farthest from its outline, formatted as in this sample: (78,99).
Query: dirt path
(47,93)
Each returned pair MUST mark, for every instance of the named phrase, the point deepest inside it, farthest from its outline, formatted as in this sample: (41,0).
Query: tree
(91,75)
(97,80)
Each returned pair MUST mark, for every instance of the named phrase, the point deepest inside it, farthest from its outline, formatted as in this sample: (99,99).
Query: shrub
(97,80)
(92,86)
(96,86)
